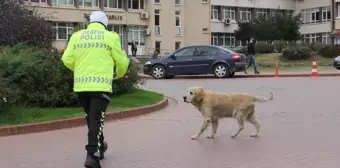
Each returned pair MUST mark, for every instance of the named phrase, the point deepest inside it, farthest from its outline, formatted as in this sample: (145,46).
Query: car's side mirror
(173,57)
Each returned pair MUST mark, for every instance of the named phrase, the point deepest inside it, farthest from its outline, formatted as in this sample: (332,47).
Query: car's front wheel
(221,70)
(158,72)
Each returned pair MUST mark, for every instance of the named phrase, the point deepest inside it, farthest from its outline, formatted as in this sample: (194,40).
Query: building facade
(317,17)
(165,25)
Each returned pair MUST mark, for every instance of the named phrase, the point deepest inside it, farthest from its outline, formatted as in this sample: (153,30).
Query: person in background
(92,54)
(155,54)
(134,48)
(251,56)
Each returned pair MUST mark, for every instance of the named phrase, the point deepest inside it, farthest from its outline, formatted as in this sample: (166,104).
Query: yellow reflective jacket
(92,54)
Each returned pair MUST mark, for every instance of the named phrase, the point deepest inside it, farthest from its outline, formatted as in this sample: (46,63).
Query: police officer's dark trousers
(94,105)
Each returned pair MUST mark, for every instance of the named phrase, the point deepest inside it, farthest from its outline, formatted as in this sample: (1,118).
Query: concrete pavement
(299,129)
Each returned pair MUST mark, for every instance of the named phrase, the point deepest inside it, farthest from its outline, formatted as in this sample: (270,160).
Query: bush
(329,51)
(279,46)
(129,82)
(39,76)
(19,24)
(35,77)
(315,47)
(301,53)
(264,48)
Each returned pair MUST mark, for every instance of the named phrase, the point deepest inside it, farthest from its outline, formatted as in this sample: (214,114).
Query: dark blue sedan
(197,60)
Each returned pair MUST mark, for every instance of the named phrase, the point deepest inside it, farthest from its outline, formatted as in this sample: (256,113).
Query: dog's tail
(264,99)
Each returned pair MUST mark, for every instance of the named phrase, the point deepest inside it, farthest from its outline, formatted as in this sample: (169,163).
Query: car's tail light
(236,57)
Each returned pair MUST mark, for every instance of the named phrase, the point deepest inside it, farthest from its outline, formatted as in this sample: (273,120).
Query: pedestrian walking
(134,48)
(251,56)
(92,54)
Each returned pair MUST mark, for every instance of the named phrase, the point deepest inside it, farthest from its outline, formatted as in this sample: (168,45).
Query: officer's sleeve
(120,58)
(68,56)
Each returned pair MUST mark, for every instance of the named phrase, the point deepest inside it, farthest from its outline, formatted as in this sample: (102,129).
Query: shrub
(279,46)
(329,51)
(39,76)
(315,47)
(264,48)
(130,81)
(301,53)
(19,24)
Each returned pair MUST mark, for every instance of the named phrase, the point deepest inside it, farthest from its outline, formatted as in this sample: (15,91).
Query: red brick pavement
(299,130)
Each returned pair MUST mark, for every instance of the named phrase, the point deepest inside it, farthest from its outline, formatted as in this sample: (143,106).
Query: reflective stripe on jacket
(92,54)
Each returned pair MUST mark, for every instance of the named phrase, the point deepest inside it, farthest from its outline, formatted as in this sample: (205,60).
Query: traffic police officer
(92,54)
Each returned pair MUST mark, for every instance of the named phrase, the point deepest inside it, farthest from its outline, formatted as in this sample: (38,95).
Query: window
(214,12)
(37,1)
(178,2)
(63,30)
(158,46)
(177,45)
(205,51)
(178,22)
(157,22)
(245,14)
(137,34)
(226,39)
(157,1)
(311,38)
(228,13)
(88,3)
(118,4)
(326,38)
(261,13)
(185,52)
(214,39)
(326,14)
(337,40)
(136,4)
(310,15)
(119,30)
(63,2)
(338,8)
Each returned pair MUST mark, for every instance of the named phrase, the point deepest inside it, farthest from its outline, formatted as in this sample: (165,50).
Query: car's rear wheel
(338,68)
(221,71)
(158,72)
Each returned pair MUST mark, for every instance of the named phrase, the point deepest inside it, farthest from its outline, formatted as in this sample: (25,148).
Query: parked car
(197,60)
(336,62)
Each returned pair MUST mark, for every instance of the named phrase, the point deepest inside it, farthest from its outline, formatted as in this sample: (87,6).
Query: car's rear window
(226,51)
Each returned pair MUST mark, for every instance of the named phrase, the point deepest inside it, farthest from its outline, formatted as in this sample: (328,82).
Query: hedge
(35,77)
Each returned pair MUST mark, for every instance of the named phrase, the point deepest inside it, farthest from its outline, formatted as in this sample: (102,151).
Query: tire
(158,72)
(338,68)
(221,71)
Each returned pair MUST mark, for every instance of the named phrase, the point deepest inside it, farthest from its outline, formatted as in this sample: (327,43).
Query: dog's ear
(199,94)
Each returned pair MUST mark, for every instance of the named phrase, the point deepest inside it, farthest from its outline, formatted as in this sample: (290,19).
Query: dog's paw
(253,135)
(194,137)
(210,137)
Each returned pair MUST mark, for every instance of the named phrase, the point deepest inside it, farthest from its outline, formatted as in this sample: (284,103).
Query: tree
(280,27)
(22,25)
(245,31)
(265,30)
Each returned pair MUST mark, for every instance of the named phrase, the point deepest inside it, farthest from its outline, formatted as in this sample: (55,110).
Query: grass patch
(24,115)
(272,57)
(293,69)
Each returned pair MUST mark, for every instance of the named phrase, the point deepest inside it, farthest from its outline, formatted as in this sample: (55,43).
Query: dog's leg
(214,125)
(204,126)
(252,119)
(240,120)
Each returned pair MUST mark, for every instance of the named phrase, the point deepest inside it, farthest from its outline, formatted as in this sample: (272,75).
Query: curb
(79,121)
(252,76)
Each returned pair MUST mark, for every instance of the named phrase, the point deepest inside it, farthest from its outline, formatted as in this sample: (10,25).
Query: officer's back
(92,53)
